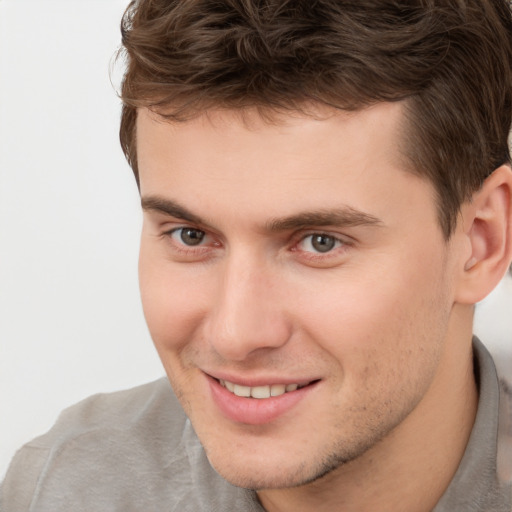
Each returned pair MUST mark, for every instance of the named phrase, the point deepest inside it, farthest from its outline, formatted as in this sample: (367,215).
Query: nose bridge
(248,313)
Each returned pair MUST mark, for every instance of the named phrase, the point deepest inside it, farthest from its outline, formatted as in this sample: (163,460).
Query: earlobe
(487,222)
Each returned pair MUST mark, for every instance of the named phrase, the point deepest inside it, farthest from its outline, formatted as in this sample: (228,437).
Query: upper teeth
(259,391)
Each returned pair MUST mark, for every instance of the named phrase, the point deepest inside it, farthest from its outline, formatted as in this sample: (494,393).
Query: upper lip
(259,380)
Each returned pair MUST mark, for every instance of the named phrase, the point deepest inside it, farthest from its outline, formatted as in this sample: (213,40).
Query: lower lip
(255,411)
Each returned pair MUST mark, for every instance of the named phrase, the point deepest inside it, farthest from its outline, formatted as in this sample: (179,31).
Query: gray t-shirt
(135,450)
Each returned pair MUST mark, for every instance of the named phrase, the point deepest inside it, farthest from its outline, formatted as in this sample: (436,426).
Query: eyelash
(340,244)
(183,248)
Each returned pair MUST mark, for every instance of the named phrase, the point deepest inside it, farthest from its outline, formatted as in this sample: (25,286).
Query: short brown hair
(450,60)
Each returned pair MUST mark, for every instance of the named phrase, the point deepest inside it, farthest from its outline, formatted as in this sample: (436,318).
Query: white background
(71,323)
(70,317)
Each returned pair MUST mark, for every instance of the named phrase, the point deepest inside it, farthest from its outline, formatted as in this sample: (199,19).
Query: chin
(260,472)
(260,478)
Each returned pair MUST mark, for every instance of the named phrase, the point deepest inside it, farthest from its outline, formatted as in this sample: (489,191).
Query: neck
(410,469)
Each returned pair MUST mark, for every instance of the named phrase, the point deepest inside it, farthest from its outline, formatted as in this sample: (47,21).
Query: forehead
(264,168)
(321,130)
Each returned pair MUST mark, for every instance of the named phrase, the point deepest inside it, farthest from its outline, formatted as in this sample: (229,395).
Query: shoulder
(147,411)
(152,405)
(124,452)
(502,370)
(504,453)
(105,445)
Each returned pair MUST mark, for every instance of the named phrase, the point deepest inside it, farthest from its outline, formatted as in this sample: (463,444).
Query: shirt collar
(474,487)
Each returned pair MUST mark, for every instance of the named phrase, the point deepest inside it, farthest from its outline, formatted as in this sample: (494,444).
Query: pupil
(323,243)
(192,236)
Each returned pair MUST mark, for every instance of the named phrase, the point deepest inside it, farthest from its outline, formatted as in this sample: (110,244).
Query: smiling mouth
(261,392)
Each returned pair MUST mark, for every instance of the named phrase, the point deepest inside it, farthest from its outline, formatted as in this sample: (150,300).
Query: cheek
(383,325)
(172,300)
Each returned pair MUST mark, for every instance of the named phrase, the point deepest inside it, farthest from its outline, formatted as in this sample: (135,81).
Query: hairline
(275,115)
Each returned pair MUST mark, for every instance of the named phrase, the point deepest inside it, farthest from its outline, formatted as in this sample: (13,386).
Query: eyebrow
(169,207)
(340,217)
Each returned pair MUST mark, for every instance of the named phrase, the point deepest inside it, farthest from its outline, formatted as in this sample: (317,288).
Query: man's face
(301,256)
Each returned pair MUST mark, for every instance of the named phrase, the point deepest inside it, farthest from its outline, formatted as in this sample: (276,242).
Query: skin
(376,321)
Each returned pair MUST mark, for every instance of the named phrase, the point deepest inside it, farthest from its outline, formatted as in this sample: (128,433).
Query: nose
(248,313)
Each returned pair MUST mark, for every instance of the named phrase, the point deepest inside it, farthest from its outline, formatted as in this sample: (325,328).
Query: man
(327,193)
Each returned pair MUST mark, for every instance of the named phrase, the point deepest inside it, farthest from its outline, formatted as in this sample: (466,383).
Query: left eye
(319,242)
(189,236)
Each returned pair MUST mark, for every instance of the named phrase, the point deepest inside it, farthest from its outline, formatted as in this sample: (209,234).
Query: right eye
(188,236)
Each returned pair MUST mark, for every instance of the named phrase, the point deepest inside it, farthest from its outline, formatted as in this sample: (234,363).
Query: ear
(487,226)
